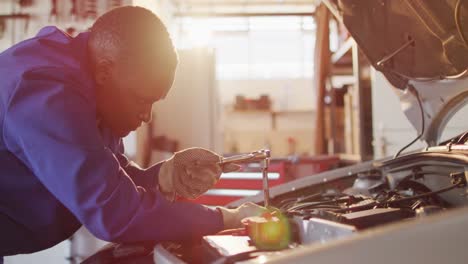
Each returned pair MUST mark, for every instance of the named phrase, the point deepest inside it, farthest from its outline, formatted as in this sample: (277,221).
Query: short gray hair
(125,30)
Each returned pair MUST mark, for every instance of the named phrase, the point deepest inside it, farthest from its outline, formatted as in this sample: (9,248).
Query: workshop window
(254,47)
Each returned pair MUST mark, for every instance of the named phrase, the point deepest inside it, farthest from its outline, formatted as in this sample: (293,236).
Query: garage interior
(280,75)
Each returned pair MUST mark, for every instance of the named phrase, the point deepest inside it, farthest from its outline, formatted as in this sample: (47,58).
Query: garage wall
(162,8)
(292,116)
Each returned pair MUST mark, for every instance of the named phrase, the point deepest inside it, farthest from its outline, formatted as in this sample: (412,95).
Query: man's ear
(103,71)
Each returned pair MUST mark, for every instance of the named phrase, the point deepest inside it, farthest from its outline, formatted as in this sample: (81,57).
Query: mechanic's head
(134,62)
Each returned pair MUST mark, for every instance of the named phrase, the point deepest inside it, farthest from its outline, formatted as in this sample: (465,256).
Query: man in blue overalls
(65,104)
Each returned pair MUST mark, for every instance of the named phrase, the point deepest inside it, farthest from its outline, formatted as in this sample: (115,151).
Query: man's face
(125,100)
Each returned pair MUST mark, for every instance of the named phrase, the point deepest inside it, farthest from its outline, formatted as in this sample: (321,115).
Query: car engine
(340,204)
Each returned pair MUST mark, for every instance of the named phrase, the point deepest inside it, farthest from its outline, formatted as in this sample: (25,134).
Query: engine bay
(341,204)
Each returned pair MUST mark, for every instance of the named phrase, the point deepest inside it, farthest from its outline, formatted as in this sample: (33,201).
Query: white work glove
(191,172)
(232,217)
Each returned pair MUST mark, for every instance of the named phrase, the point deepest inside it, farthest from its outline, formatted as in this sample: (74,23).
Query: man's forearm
(147,178)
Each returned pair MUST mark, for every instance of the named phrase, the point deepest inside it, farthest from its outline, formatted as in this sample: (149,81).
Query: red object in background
(307,166)
(248,181)
(292,146)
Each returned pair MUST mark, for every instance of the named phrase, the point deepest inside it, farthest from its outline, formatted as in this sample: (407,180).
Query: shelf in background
(344,49)
(272,113)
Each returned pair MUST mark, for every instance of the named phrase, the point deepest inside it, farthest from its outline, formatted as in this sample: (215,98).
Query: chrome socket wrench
(262,156)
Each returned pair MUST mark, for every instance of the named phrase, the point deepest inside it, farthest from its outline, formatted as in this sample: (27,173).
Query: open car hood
(415,43)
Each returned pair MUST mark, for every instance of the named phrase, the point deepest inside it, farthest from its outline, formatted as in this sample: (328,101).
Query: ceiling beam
(240,14)
(15,16)
(205,3)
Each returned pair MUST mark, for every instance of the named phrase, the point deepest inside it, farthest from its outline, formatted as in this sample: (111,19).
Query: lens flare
(270,231)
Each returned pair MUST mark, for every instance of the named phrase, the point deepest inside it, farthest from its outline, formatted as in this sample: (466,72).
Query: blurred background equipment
(262,103)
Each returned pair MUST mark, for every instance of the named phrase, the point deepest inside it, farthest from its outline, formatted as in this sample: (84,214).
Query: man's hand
(232,217)
(191,172)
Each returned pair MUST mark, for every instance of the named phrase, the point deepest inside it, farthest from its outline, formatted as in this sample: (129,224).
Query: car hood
(415,43)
